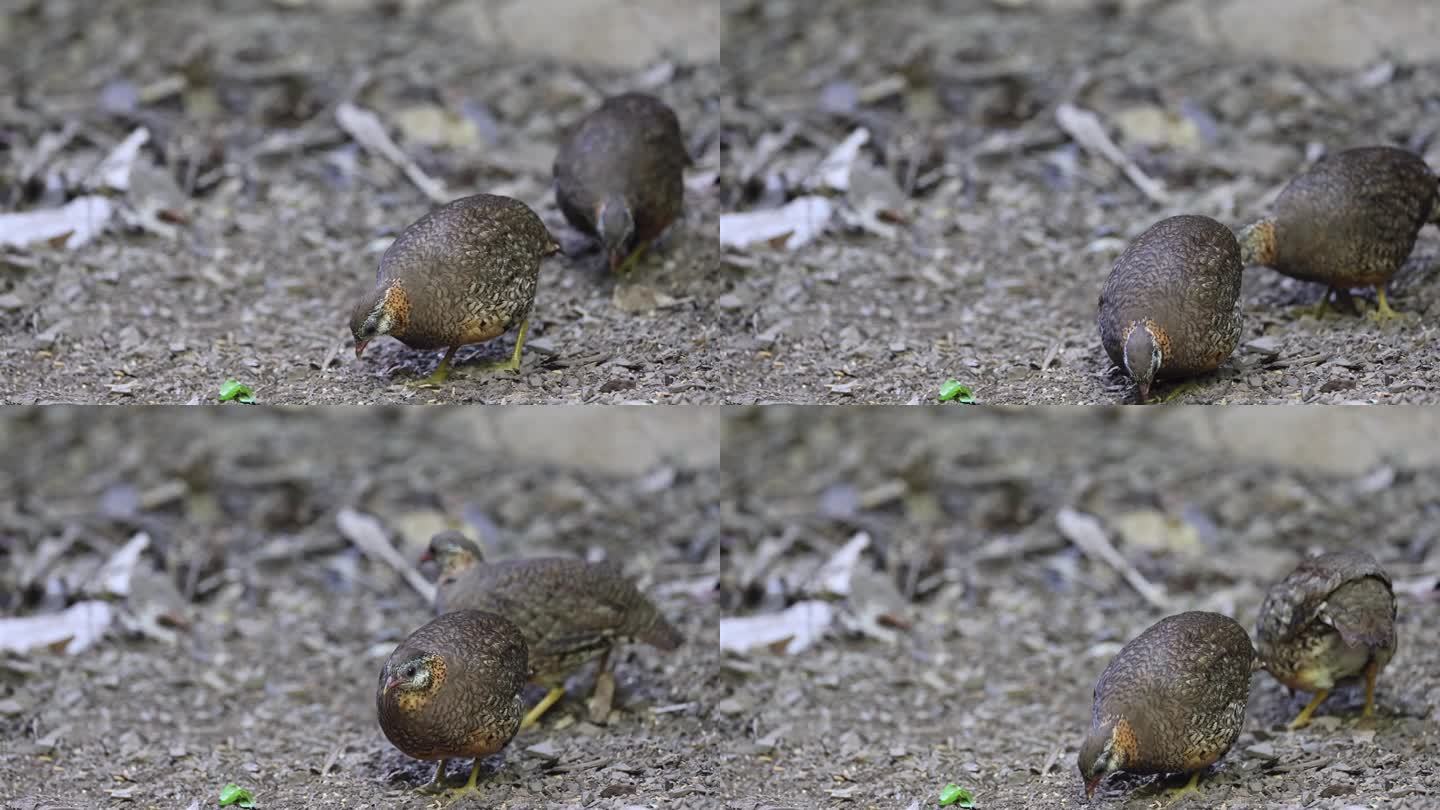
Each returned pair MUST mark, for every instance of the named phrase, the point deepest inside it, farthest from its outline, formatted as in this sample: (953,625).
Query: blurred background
(916,597)
(191,597)
(932,190)
(191,191)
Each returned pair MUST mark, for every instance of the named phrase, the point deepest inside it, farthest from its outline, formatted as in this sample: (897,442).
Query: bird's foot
(1382,313)
(435,380)
(513,364)
(436,785)
(469,788)
(602,699)
(1178,794)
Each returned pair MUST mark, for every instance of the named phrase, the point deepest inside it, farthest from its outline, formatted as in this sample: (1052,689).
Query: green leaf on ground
(233,793)
(952,389)
(956,795)
(236,390)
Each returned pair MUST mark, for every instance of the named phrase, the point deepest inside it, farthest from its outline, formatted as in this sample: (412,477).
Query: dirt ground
(982,257)
(261,222)
(248,647)
(969,642)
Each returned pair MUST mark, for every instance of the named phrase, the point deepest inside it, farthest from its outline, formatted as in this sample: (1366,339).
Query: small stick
(1085,531)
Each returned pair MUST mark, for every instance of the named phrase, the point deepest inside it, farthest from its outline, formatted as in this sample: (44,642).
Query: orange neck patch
(396,305)
(1124,737)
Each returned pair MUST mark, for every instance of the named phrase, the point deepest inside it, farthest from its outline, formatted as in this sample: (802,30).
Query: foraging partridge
(1171,701)
(452,689)
(619,176)
(463,273)
(1331,620)
(1349,221)
(1171,306)
(570,611)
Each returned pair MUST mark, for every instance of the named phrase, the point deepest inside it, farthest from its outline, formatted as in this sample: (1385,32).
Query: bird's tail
(662,635)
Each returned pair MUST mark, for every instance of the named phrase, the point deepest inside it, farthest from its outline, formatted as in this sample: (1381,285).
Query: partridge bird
(1349,221)
(570,611)
(1171,701)
(452,689)
(1331,620)
(463,273)
(1171,306)
(619,175)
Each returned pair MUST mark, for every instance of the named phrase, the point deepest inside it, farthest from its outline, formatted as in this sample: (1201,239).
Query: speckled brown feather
(632,146)
(1351,219)
(1183,274)
(1326,620)
(1182,686)
(468,270)
(476,707)
(570,611)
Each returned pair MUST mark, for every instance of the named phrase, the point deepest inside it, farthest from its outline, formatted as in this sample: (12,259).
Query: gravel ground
(973,632)
(248,648)
(976,233)
(263,222)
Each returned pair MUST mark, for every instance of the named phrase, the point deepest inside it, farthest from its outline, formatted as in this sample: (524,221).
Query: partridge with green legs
(570,611)
(620,175)
(1330,620)
(1171,701)
(1350,220)
(464,273)
(452,689)
(1171,305)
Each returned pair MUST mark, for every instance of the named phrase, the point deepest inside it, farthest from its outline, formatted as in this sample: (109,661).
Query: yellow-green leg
(631,260)
(1303,718)
(469,787)
(1371,671)
(551,697)
(1192,786)
(438,377)
(1382,311)
(513,364)
(436,785)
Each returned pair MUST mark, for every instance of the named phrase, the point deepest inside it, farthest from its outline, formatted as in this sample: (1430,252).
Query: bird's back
(1353,217)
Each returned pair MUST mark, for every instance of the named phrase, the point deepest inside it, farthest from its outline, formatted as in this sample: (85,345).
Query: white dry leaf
(834,171)
(80,625)
(797,627)
(113,578)
(833,577)
(365,127)
(1084,127)
(114,171)
(1088,535)
(369,536)
(801,219)
(83,218)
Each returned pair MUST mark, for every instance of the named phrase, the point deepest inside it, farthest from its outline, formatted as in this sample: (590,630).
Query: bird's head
(1257,244)
(454,552)
(1143,355)
(1109,747)
(616,225)
(382,312)
(411,680)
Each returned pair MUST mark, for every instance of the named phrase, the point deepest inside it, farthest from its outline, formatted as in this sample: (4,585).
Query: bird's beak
(426,556)
(390,683)
(1144,392)
(1090,785)
(360,347)
(614,262)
